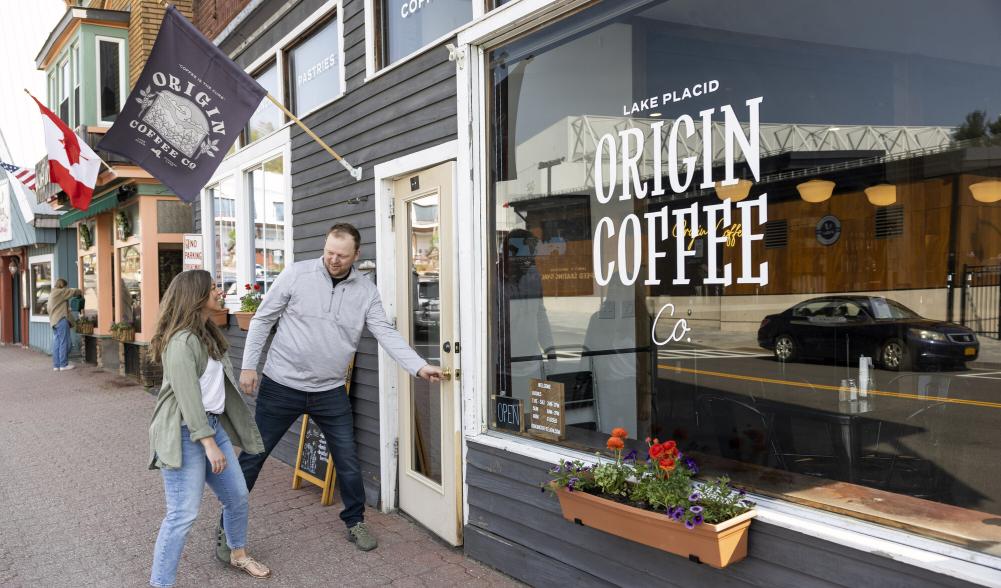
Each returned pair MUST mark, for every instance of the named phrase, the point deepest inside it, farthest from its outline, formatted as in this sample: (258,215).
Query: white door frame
(385,263)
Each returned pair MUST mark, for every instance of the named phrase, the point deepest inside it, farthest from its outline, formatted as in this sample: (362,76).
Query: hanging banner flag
(186,110)
(72,163)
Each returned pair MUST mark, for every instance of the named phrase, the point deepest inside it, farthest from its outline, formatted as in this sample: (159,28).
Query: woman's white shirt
(213,387)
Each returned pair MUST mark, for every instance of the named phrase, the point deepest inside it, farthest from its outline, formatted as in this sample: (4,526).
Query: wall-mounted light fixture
(735,192)
(814,191)
(13,267)
(881,194)
(987,191)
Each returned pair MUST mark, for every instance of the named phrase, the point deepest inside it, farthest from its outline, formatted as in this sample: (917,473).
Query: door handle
(446,374)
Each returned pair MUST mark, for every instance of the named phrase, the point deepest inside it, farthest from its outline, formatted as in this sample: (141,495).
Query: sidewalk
(79,508)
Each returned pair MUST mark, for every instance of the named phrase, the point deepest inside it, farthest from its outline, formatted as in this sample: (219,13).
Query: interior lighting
(815,190)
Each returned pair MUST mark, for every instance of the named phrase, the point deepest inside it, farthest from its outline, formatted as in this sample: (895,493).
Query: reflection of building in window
(267,186)
(129,283)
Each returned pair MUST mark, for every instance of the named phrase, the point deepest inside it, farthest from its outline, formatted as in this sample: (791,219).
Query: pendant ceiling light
(815,190)
(735,192)
(987,191)
(881,194)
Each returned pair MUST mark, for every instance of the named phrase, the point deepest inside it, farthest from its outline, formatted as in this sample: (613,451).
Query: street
(79,508)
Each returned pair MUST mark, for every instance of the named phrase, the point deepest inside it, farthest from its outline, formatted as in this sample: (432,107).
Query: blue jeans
(279,406)
(61,344)
(183,488)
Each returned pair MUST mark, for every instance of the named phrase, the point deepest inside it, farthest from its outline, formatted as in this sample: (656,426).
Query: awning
(97,206)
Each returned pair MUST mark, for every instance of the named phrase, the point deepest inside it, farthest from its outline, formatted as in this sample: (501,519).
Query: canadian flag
(72,163)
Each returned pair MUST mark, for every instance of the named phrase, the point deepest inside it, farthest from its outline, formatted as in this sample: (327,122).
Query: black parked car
(841,328)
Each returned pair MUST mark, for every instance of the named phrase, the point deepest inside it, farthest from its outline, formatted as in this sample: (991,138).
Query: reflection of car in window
(841,328)
(426,312)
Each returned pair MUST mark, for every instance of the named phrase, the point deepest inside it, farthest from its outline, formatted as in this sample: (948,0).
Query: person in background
(199,415)
(59,318)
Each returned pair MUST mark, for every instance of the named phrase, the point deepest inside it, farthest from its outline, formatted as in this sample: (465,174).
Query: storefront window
(267,187)
(267,118)
(109,77)
(409,25)
(775,241)
(130,272)
(314,69)
(41,286)
(224,208)
(88,273)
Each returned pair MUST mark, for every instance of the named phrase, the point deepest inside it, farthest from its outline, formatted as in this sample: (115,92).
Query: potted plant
(85,325)
(221,317)
(654,502)
(248,305)
(124,332)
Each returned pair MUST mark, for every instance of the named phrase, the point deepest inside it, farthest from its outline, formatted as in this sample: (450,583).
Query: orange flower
(667,464)
(620,433)
(614,443)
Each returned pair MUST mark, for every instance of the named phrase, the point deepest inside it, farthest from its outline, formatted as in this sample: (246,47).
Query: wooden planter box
(85,329)
(221,317)
(125,335)
(243,319)
(717,545)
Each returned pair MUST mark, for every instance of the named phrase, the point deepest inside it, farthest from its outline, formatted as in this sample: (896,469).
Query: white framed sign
(194,252)
(6,228)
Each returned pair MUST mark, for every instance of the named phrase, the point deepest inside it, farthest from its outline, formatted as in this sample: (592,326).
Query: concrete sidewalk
(79,508)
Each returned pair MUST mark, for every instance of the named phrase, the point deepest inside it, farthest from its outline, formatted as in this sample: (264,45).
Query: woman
(199,415)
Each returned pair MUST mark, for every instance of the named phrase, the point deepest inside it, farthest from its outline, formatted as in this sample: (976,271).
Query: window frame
(474,42)
(332,9)
(285,77)
(34,260)
(122,76)
(375,37)
(237,167)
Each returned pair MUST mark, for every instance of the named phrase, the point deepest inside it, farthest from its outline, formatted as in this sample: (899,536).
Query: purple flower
(742,492)
(697,519)
(696,509)
(677,514)
(631,456)
(689,524)
(695,497)
(691,465)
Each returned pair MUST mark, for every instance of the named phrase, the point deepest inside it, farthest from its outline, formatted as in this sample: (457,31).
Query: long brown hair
(181,310)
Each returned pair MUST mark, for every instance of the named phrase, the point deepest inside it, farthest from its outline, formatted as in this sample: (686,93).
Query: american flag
(23,175)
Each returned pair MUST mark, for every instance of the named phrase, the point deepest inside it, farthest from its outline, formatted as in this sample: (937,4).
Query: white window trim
(277,54)
(372,70)
(473,42)
(30,295)
(123,75)
(385,263)
(236,165)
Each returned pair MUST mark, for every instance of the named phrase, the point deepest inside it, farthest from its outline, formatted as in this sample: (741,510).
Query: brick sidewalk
(79,508)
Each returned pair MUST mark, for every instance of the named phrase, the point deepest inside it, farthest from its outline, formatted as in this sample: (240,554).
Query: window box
(220,317)
(717,545)
(243,319)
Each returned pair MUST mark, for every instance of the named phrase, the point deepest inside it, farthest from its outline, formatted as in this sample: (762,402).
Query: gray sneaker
(360,536)
(221,547)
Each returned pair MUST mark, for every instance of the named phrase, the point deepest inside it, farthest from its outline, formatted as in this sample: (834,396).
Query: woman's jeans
(61,344)
(183,487)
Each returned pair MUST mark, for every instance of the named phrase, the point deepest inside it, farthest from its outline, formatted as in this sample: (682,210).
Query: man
(59,319)
(323,305)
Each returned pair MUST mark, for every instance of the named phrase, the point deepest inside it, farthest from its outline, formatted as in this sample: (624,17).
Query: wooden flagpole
(354,171)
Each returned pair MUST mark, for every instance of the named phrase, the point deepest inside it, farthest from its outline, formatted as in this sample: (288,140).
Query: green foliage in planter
(661,483)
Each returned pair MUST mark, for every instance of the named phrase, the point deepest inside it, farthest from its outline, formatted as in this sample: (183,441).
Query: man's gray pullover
(319,328)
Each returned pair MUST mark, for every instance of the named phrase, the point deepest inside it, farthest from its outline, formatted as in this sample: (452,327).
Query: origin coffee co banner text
(186,110)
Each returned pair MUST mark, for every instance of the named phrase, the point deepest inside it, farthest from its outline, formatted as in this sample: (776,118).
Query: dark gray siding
(407,109)
(520,531)
(402,111)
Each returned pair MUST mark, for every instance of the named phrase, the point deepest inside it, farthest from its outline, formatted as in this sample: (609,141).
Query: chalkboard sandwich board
(508,414)
(313,463)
